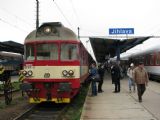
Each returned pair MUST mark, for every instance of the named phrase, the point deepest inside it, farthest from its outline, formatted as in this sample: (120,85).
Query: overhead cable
(63,14)
(75,12)
(4,21)
(118,37)
(22,20)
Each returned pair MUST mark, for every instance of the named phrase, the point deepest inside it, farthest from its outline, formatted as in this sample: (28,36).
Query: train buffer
(124,105)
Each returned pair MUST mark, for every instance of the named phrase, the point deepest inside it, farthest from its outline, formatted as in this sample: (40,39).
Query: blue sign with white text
(114,31)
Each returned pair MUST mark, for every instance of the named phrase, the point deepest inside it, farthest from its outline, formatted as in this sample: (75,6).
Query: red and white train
(55,65)
(151,59)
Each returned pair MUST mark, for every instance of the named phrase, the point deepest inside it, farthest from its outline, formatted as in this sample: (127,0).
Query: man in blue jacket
(93,73)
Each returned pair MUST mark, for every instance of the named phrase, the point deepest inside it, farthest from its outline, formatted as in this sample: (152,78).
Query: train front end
(52,66)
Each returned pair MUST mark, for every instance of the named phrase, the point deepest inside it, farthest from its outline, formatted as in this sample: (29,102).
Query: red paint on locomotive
(57,80)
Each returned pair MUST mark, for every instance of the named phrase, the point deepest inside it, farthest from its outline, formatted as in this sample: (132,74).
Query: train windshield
(69,52)
(47,51)
(29,54)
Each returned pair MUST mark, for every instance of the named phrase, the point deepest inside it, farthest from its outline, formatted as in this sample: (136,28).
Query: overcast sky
(94,17)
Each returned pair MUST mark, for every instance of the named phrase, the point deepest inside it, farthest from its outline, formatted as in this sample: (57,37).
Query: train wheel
(8,91)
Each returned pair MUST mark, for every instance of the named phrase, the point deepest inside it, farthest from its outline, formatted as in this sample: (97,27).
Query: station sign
(114,31)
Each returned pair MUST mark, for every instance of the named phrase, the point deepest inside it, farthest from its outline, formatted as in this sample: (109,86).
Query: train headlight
(64,72)
(30,73)
(24,73)
(47,30)
(71,73)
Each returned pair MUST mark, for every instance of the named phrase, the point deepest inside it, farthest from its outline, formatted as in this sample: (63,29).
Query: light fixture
(24,73)
(71,73)
(30,73)
(64,72)
(47,30)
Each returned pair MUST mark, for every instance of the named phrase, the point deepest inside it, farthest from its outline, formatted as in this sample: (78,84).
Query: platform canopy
(11,46)
(106,47)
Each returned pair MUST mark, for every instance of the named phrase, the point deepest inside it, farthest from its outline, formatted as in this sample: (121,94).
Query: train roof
(11,46)
(51,31)
(4,54)
(146,50)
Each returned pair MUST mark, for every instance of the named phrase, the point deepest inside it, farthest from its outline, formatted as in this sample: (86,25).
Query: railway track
(13,91)
(44,111)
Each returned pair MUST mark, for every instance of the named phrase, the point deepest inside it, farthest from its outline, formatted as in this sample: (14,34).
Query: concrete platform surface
(117,106)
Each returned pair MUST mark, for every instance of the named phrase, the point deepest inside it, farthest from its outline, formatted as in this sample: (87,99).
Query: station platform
(124,105)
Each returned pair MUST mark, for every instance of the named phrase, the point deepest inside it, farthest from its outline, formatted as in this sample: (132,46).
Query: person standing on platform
(112,72)
(130,80)
(101,71)
(140,76)
(115,73)
(93,73)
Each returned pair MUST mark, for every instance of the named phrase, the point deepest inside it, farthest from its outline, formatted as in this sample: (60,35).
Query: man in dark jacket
(115,73)
(101,71)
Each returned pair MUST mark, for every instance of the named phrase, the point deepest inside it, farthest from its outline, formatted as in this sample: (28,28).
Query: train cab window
(47,52)
(69,52)
(29,54)
(158,58)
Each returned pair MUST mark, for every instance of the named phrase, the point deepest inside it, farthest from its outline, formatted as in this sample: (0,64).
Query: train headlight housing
(64,73)
(71,73)
(47,30)
(30,73)
(67,73)
(24,73)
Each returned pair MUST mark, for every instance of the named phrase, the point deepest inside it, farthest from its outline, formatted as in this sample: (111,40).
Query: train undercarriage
(58,92)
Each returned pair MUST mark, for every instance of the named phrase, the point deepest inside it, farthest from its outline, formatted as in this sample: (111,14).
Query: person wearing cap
(130,80)
(140,76)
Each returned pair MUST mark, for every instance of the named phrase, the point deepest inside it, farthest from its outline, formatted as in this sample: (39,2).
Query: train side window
(29,54)
(158,58)
(142,59)
(151,59)
(69,52)
(147,59)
